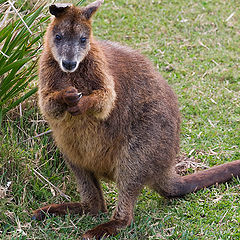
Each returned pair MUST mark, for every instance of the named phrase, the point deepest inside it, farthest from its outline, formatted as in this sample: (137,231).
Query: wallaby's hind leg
(129,184)
(123,214)
(92,200)
(174,185)
(122,217)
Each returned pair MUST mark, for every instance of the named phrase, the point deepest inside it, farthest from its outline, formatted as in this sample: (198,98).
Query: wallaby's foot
(57,209)
(107,229)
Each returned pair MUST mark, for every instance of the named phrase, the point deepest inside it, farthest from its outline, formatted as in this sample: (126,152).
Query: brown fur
(125,128)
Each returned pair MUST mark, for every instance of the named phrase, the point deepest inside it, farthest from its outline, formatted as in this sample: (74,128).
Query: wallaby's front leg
(86,103)
(90,190)
(56,103)
(99,102)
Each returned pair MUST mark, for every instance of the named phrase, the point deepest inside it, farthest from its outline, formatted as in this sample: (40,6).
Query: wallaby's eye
(58,37)
(83,39)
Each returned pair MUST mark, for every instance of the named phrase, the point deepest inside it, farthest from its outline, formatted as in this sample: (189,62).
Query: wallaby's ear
(90,9)
(58,9)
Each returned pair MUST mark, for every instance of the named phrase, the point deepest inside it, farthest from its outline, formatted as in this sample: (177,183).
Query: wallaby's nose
(69,65)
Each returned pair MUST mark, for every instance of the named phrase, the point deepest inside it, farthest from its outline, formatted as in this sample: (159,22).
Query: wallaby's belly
(82,140)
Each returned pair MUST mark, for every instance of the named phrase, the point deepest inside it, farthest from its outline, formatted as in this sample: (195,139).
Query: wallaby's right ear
(59,9)
(90,9)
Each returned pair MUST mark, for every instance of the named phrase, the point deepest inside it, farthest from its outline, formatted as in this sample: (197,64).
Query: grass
(195,46)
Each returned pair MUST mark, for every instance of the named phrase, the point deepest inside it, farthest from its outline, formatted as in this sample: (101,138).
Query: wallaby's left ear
(90,9)
(58,9)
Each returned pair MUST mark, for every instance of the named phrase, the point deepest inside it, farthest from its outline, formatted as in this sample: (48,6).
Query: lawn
(195,46)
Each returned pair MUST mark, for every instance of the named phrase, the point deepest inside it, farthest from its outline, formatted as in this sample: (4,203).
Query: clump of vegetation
(20,41)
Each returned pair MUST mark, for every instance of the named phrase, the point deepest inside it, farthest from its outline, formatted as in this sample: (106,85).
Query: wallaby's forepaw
(83,105)
(102,231)
(71,96)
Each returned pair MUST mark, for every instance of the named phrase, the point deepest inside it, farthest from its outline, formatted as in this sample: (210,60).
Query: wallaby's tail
(180,186)
(206,178)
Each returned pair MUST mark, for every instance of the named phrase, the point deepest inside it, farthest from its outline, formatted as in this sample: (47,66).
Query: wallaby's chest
(83,141)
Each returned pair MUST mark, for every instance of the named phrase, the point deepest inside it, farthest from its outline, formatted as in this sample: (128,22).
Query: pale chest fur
(83,141)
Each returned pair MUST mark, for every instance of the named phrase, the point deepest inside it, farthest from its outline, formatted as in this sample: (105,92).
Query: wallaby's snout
(69,65)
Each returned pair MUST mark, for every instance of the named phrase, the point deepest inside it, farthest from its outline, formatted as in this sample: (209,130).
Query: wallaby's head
(69,34)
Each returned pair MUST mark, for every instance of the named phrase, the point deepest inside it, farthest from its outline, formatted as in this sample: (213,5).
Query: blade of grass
(2,1)
(20,100)
(1,116)
(14,80)
(19,86)
(81,2)
(20,17)
(20,35)
(16,64)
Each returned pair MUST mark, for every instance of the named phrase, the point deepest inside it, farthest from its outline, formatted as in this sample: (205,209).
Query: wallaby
(113,117)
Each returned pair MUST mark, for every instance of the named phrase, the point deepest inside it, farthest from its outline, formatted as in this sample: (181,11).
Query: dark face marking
(70,44)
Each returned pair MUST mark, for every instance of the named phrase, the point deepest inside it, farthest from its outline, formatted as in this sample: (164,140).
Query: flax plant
(20,44)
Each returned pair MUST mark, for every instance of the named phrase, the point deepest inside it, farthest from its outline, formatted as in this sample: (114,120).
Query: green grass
(197,50)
